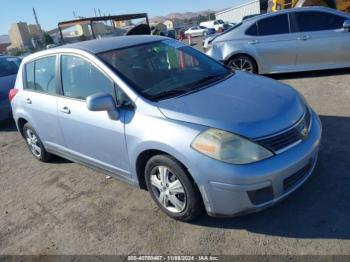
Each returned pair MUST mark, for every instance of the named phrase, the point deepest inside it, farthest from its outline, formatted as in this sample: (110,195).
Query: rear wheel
(171,189)
(243,63)
(34,143)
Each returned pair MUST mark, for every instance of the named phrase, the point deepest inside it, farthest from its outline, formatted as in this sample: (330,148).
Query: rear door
(272,42)
(39,98)
(322,41)
(91,137)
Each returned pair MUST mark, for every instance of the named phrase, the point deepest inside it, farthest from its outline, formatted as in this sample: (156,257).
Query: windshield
(163,69)
(9,66)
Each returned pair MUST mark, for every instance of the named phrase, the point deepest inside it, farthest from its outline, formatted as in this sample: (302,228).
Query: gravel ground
(64,208)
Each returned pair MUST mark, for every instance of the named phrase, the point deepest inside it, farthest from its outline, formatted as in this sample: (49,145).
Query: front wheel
(243,63)
(171,188)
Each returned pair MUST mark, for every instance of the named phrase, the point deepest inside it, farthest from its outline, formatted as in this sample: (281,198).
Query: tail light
(12,93)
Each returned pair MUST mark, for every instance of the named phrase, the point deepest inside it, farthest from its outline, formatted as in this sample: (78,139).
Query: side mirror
(346,25)
(103,102)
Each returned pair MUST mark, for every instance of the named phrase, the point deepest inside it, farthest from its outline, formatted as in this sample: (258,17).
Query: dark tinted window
(318,21)
(80,78)
(29,69)
(44,75)
(253,30)
(9,66)
(40,75)
(274,25)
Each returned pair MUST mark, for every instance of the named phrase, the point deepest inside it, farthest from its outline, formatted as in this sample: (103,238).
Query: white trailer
(236,13)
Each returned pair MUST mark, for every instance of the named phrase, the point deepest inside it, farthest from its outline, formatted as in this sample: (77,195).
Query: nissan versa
(166,118)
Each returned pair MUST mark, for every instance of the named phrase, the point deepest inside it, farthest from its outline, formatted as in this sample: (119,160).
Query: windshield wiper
(192,87)
(206,80)
(170,93)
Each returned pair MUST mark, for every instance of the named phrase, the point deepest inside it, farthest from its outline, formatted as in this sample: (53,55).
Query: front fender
(169,136)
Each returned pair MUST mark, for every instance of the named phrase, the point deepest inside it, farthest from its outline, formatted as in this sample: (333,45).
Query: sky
(50,12)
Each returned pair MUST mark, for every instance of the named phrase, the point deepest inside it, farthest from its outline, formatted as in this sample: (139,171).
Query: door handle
(254,42)
(28,101)
(304,37)
(65,110)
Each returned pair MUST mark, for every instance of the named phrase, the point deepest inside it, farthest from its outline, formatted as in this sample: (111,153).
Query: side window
(41,75)
(318,21)
(44,75)
(253,30)
(80,78)
(29,69)
(274,25)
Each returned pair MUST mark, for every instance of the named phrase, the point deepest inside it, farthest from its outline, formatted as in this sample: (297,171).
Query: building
(174,24)
(35,31)
(235,14)
(100,29)
(122,23)
(19,36)
(161,28)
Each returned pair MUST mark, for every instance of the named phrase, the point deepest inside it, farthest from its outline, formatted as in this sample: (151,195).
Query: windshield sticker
(173,43)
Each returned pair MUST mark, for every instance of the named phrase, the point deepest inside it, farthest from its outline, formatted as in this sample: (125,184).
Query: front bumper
(229,190)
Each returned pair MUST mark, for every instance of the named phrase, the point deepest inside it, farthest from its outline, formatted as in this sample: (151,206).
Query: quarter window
(80,78)
(274,25)
(41,75)
(318,21)
(29,69)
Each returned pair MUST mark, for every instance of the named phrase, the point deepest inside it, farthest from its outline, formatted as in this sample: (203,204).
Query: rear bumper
(230,190)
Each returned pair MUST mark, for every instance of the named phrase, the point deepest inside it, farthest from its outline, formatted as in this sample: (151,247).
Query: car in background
(8,71)
(163,116)
(218,25)
(199,31)
(171,33)
(300,39)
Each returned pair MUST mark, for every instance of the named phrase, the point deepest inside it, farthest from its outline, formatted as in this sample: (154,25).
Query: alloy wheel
(33,143)
(168,189)
(242,64)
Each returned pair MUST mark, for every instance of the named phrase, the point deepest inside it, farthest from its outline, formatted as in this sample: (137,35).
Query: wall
(235,14)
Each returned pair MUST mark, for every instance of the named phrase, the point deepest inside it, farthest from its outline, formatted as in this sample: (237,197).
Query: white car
(215,24)
(197,31)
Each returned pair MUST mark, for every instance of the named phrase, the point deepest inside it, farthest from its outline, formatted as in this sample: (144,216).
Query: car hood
(6,83)
(248,105)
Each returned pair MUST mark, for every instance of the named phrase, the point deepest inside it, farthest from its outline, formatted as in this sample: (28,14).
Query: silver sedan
(300,39)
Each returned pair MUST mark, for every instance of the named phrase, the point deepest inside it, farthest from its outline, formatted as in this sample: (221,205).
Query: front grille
(294,179)
(282,140)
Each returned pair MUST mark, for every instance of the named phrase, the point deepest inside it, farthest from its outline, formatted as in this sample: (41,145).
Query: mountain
(4,39)
(182,16)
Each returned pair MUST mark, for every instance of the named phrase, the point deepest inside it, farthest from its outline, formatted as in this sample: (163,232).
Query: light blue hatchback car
(167,118)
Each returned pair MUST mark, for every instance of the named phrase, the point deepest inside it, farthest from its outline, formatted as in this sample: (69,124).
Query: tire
(243,63)
(188,202)
(34,144)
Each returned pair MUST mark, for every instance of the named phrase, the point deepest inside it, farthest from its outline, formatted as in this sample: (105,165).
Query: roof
(110,43)
(296,9)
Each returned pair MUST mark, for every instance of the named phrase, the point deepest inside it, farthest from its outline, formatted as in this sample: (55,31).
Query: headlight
(228,147)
